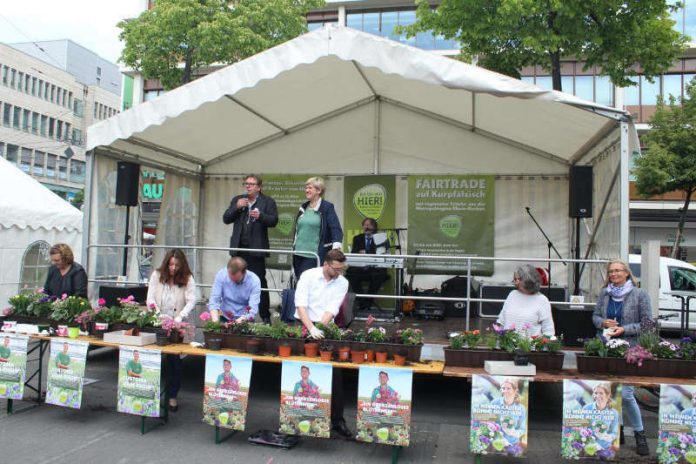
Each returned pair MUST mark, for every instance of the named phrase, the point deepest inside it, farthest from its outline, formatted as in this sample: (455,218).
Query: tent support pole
(624,193)
(87,210)
(376,139)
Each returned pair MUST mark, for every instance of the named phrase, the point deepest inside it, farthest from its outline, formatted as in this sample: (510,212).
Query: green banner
(451,216)
(367,196)
(288,193)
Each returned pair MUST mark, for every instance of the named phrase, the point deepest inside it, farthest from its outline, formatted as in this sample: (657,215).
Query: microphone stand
(550,246)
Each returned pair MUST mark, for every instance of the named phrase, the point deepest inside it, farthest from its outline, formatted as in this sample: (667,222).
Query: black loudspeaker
(127,182)
(580,189)
(500,292)
(426,309)
(574,324)
(453,288)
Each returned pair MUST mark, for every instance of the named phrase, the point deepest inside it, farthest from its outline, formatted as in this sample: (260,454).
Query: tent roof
(24,202)
(335,70)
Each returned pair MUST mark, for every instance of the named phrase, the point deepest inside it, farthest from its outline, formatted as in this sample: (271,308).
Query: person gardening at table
(384,393)
(5,350)
(318,298)
(621,306)
(236,293)
(226,380)
(305,387)
(133,367)
(63,358)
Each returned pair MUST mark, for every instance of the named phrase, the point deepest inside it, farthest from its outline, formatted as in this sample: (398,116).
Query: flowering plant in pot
(67,308)
(173,329)
(326,351)
(210,325)
(331,331)
(500,338)
(139,315)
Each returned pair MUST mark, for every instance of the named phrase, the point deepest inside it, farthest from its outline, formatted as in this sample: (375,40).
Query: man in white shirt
(318,298)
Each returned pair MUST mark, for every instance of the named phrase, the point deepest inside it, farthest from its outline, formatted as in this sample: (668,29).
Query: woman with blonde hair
(620,309)
(513,414)
(65,276)
(608,428)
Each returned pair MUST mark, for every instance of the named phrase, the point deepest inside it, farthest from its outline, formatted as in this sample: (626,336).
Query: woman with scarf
(621,307)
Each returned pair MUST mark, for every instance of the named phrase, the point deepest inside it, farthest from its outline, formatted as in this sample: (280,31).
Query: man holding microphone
(252,214)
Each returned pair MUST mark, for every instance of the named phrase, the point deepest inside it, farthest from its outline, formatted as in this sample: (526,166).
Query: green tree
(177,37)
(669,163)
(507,35)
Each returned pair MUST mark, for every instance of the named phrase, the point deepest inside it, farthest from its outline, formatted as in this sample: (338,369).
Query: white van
(674,275)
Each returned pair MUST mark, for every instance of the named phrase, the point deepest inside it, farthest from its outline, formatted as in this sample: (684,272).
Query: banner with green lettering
(451,216)
(367,196)
(288,193)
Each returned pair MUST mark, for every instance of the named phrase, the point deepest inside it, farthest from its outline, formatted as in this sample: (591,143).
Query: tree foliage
(508,35)
(669,163)
(176,37)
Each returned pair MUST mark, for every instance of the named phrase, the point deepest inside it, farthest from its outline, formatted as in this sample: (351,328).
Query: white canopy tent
(340,102)
(32,219)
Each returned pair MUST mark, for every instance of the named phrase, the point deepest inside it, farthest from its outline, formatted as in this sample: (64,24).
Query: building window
(78,107)
(47,91)
(52,98)
(35,265)
(44,123)
(77,137)
(27,84)
(25,162)
(7,114)
(59,129)
(649,91)
(35,123)
(604,91)
(39,158)
(51,165)
(2,149)
(98,71)
(62,168)
(12,153)
(20,80)
(51,127)
(5,73)
(671,85)
(33,86)
(77,171)
(25,120)
(16,117)
(64,102)
(13,77)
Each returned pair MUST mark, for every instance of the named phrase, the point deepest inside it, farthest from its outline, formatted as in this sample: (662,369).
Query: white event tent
(339,102)
(31,219)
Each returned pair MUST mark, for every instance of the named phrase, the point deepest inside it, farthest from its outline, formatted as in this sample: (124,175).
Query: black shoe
(622,437)
(641,444)
(173,407)
(341,428)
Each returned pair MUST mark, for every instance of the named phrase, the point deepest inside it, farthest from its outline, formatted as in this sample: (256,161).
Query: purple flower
(586,432)
(605,454)
(577,445)
(675,451)
(484,439)
(514,450)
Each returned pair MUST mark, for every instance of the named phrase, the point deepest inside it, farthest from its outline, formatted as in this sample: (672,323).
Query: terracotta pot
(358,357)
(370,356)
(399,360)
(344,353)
(311,349)
(284,351)
(253,346)
(326,355)
(381,357)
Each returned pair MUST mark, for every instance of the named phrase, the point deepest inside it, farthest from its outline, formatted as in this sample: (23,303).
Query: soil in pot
(344,354)
(284,351)
(326,355)
(381,357)
(311,349)
(357,357)
(253,346)
(215,343)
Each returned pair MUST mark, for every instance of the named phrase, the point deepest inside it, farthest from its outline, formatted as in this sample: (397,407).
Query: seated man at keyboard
(369,242)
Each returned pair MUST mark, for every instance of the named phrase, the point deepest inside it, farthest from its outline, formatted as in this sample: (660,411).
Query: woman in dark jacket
(621,307)
(317,228)
(65,276)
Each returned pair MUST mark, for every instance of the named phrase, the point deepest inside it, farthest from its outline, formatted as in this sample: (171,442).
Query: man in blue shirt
(236,293)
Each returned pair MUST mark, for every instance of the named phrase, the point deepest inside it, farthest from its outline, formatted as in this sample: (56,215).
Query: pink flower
(64,296)
(205,316)
(370,320)
(101,302)
(152,306)
(7,311)
(40,290)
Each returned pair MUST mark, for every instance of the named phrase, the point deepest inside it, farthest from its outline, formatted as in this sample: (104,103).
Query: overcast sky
(90,23)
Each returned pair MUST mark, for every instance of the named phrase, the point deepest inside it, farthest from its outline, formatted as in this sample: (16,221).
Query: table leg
(395,454)
(218,438)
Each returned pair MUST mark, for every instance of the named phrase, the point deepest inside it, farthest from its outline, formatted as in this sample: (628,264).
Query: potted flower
(295,336)
(326,351)
(176,331)
(67,308)
(409,340)
(138,316)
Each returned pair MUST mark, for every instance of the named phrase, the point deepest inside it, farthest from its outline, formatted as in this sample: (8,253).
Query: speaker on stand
(579,206)
(127,182)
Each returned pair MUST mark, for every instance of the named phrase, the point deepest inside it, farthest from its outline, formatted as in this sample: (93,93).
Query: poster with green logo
(13,366)
(451,216)
(226,390)
(66,372)
(305,398)
(288,193)
(367,196)
(139,381)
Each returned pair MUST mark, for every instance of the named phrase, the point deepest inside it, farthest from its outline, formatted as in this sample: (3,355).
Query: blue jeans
(631,408)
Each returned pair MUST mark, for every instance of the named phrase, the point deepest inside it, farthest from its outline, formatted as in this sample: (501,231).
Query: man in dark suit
(252,214)
(374,277)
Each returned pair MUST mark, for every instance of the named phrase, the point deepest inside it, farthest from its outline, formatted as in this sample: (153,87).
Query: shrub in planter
(67,308)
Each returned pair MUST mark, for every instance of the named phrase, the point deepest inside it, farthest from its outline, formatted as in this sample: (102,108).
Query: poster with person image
(384,405)
(13,366)
(139,381)
(676,442)
(591,419)
(305,399)
(66,372)
(499,415)
(226,391)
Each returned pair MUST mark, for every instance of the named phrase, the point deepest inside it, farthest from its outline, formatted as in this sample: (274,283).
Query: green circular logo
(369,200)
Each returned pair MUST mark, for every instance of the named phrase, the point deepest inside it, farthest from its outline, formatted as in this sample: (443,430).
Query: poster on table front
(676,442)
(288,193)
(305,399)
(591,419)
(384,405)
(499,415)
(226,391)
(451,215)
(66,372)
(139,381)
(13,366)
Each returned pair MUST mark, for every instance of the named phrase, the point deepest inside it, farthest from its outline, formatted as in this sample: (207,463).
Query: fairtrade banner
(384,405)
(288,193)
(66,372)
(677,424)
(451,216)
(13,366)
(591,419)
(305,399)
(226,391)
(499,415)
(139,381)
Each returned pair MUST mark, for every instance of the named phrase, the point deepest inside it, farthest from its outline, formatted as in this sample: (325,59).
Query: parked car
(674,275)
